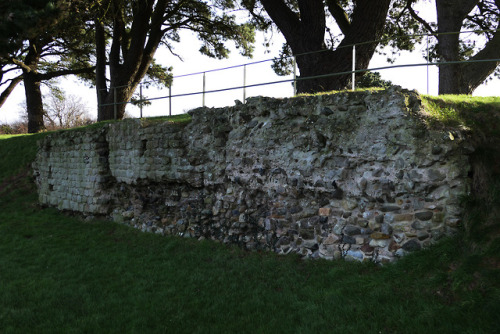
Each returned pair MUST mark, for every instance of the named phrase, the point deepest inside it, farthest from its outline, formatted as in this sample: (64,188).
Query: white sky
(408,77)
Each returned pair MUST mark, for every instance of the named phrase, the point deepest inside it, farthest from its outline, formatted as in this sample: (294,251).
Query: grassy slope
(60,274)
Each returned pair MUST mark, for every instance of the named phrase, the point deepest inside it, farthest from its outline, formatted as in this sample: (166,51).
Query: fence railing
(244,86)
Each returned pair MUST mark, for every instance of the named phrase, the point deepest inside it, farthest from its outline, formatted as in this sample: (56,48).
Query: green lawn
(61,274)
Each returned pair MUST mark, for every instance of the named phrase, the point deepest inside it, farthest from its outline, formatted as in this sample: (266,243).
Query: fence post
(244,83)
(140,94)
(170,100)
(427,64)
(99,102)
(203,100)
(294,61)
(353,67)
(115,104)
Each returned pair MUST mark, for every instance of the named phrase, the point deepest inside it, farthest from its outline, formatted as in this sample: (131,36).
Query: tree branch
(476,73)
(339,15)
(5,94)
(286,20)
(55,74)
(21,64)
(418,18)
(3,72)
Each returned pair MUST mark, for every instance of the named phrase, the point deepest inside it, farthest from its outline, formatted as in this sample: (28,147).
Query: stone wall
(356,175)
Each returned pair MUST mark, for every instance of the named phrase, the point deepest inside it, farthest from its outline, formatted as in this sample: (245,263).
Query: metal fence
(244,85)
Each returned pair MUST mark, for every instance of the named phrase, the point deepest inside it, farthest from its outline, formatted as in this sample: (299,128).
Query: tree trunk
(305,36)
(109,109)
(474,74)
(322,64)
(101,84)
(34,102)
(127,64)
(32,90)
(451,14)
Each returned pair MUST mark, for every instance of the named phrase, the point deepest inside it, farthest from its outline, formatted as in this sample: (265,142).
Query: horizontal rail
(298,78)
(310,78)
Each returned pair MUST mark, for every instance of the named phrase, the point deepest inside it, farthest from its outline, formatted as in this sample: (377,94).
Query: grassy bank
(60,274)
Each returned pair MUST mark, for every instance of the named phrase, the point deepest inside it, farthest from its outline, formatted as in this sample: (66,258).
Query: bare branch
(418,18)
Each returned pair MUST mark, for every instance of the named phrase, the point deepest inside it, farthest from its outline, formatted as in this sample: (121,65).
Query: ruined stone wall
(71,171)
(355,175)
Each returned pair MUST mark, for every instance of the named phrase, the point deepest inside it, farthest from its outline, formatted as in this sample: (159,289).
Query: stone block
(325,212)
(403,217)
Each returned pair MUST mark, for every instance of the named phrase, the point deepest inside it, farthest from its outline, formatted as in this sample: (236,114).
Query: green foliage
(283,64)
(372,79)
(5,129)
(23,19)
(159,75)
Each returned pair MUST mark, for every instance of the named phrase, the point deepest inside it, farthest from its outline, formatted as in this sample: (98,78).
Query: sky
(422,78)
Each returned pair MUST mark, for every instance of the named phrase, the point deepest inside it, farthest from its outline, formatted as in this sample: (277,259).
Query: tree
(62,111)
(19,21)
(128,33)
(60,48)
(373,79)
(453,16)
(303,23)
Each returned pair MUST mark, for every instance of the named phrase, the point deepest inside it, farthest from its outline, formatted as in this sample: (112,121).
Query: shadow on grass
(60,272)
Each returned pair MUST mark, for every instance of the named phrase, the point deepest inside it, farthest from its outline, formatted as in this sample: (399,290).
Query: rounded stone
(421,225)
(386,228)
(424,215)
(379,242)
(400,252)
(389,208)
(354,255)
(388,218)
(379,236)
(363,223)
(348,239)
(421,235)
(411,246)
(367,249)
(352,230)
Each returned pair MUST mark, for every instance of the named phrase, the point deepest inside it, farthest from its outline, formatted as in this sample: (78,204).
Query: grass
(370,89)
(181,120)
(16,152)
(481,114)
(60,274)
